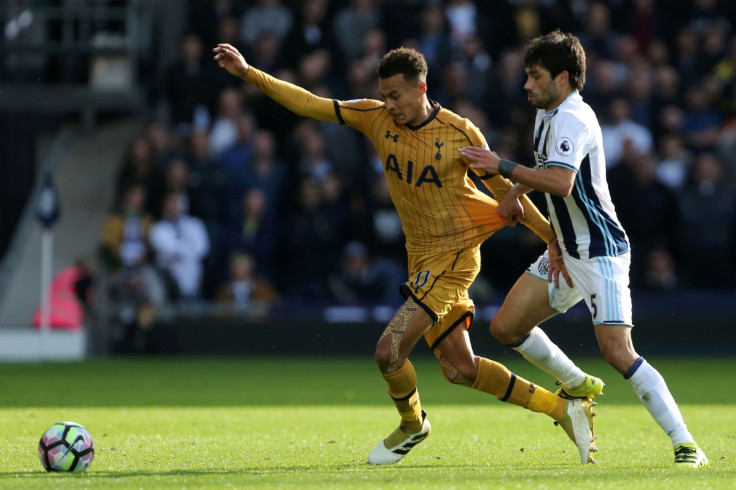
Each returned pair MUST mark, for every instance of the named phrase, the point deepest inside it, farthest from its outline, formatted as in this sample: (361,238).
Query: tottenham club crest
(564,146)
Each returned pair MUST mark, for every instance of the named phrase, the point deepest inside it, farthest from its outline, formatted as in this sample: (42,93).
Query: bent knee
(384,355)
(463,374)
(503,333)
(619,356)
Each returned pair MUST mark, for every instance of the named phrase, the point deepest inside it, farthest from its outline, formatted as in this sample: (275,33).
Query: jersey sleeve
(570,142)
(358,113)
(293,97)
(533,218)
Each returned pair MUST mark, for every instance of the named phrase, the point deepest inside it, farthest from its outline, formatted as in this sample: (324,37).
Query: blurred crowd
(229,197)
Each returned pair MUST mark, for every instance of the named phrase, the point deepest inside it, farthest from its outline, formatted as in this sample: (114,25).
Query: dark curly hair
(408,62)
(557,52)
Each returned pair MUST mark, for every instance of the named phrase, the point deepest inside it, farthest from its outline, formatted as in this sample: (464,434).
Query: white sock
(543,353)
(652,390)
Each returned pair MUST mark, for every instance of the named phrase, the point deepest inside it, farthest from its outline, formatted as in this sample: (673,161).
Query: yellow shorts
(439,285)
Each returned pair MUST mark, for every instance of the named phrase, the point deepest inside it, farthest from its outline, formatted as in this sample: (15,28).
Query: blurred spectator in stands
(224,130)
(401,20)
(686,56)
(187,85)
(264,52)
(665,92)
(629,57)
(313,162)
(137,330)
(265,17)
(125,250)
(335,206)
(384,237)
(351,23)
(708,208)
(311,31)
(725,69)
(206,18)
(309,245)
(433,41)
(634,188)
(180,243)
(603,82)
(462,19)
(598,39)
(236,158)
(478,66)
(454,85)
(727,143)
(673,166)
(138,167)
(619,129)
(373,47)
(671,118)
(206,181)
(164,146)
(244,289)
(658,53)
(70,294)
(265,170)
(527,22)
(639,94)
(253,230)
(642,23)
(175,180)
(713,48)
(359,79)
(356,280)
(314,72)
(701,124)
(208,186)
(507,87)
(228,31)
(660,272)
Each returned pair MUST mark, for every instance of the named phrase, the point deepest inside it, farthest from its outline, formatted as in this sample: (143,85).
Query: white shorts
(603,282)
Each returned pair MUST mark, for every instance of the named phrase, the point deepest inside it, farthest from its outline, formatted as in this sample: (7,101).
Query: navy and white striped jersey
(585,221)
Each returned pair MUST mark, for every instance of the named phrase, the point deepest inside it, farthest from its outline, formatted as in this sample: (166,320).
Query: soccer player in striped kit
(445,218)
(592,249)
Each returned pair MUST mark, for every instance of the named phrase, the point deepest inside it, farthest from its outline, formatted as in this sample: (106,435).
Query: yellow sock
(402,388)
(495,379)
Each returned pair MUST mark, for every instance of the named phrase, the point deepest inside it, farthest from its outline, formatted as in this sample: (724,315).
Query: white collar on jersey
(554,111)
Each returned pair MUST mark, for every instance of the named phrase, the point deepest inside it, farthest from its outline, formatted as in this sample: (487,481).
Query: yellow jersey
(440,207)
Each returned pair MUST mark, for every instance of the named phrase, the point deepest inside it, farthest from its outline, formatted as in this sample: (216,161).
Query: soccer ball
(66,446)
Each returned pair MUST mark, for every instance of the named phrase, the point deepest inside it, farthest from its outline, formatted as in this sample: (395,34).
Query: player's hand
(557,265)
(229,58)
(484,158)
(510,209)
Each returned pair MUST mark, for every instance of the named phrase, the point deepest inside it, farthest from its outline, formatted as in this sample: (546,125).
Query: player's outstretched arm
(229,58)
(293,97)
(555,180)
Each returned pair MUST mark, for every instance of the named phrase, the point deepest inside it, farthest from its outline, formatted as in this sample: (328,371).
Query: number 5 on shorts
(593,306)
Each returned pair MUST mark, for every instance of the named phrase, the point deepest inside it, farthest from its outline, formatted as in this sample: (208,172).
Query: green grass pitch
(309,423)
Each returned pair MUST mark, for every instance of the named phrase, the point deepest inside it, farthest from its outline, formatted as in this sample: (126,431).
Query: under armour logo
(438,155)
(395,137)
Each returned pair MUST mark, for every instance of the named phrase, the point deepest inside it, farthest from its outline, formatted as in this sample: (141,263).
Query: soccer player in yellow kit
(445,219)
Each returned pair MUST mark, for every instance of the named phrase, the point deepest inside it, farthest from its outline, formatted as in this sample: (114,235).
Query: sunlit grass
(310,424)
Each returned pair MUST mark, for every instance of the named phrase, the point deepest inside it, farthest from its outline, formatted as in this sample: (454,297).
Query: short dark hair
(556,52)
(405,61)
